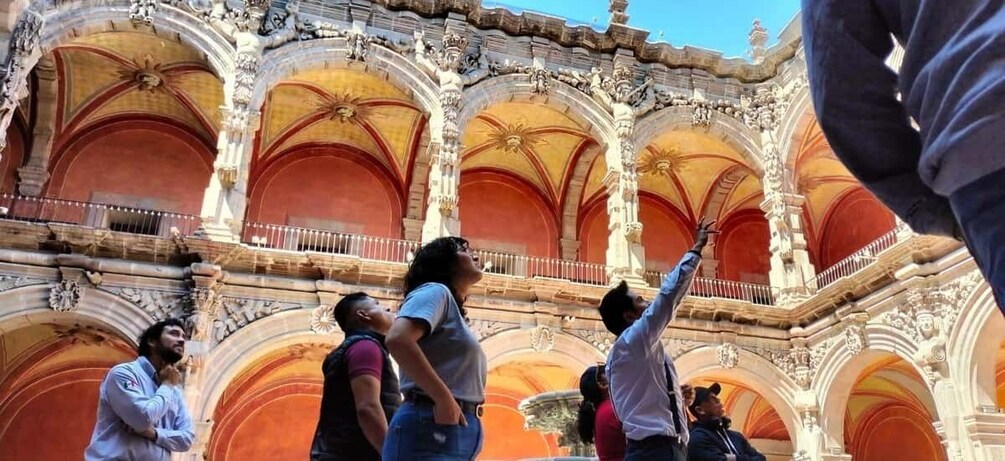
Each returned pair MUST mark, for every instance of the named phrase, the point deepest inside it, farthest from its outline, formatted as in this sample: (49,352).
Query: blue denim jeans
(980,209)
(655,448)
(414,435)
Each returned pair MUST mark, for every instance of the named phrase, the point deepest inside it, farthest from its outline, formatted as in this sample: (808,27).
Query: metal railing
(319,241)
(532,266)
(97,215)
(726,289)
(858,260)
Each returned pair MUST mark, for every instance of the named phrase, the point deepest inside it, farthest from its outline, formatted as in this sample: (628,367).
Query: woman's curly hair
(593,396)
(436,262)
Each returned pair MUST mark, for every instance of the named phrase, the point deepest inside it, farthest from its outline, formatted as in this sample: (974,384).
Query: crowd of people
(927,141)
(633,406)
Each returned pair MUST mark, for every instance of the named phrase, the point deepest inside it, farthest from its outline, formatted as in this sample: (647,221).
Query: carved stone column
(23,53)
(203,308)
(34,174)
(626,258)
(444,65)
(227,194)
(791,270)
(555,413)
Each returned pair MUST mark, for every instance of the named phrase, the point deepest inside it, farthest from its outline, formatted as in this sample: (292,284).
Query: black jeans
(656,448)
(980,210)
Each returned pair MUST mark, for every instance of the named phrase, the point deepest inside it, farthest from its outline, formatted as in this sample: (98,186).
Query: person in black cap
(711,439)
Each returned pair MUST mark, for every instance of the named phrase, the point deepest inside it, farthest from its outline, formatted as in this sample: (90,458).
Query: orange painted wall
(896,432)
(742,248)
(322,183)
(505,436)
(278,429)
(854,222)
(665,234)
(593,233)
(12,159)
(498,208)
(66,408)
(146,161)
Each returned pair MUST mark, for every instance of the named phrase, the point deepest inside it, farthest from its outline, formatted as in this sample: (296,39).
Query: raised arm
(655,319)
(855,97)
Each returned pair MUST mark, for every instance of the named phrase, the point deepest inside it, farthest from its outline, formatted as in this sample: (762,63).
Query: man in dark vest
(711,438)
(361,389)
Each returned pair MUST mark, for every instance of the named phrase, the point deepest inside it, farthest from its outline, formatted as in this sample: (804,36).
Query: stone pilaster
(34,174)
(791,270)
(227,194)
(570,249)
(22,54)
(446,66)
(626,258)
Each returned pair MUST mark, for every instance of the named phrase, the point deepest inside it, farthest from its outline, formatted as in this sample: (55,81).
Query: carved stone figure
(65,296)
(729,355)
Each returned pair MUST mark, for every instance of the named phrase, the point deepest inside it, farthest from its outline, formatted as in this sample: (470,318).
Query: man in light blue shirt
(141,411)
(647,394)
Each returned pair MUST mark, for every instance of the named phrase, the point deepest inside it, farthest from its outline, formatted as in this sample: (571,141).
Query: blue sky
(720,25)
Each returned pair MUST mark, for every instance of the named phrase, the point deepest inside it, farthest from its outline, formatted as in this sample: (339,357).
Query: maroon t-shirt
(364,358)
(608,437)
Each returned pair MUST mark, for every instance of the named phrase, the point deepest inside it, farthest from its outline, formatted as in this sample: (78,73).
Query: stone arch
(289,59)
(568,351)
(840,368)
(510,88)
(294,57)
(572,199)
(763,376)
(791,127)
(980,323)
(250,344)
(86,17)
(733,132)
(29,305)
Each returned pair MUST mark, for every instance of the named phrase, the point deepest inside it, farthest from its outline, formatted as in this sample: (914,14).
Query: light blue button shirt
(635,367)
(132,401)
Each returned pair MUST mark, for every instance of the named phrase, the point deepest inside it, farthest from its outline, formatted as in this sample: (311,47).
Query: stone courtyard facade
(244,164)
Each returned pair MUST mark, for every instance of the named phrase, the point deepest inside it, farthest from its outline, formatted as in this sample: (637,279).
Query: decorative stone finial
(758,38)
(618,10)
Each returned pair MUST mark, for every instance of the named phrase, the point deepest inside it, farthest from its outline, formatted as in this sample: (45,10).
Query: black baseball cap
(702,394)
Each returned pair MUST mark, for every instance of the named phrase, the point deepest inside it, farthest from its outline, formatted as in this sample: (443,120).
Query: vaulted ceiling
(135,74)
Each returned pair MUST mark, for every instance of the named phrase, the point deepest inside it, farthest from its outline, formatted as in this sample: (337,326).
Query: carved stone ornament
(601,340)
(729,355)
(484,329)
(65,296)
(678,347)
(10,282)
(227,174)
(142,11)
(856,339)
(158,304)
(239,312)
(542,339)
(323,320)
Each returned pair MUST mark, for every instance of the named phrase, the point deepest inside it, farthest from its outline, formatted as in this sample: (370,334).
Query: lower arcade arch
(278,395)
(756,394)
(51,369)
(874,397)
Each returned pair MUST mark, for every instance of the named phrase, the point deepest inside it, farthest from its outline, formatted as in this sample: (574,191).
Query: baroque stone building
(243,164)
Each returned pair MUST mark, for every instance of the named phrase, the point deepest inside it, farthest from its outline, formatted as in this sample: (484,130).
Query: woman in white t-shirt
(442,364)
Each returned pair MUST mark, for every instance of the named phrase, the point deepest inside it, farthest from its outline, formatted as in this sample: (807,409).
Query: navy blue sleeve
(855,97)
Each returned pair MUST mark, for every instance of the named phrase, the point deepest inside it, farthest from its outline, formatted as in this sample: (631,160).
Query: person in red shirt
(597,422)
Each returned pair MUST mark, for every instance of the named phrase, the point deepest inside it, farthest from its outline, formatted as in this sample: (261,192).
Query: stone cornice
(616,37)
